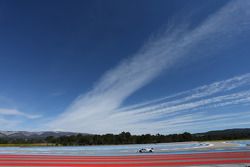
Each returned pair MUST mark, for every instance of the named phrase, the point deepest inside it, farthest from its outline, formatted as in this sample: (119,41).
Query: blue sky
(110,66)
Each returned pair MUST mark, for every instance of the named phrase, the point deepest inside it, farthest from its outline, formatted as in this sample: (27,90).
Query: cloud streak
(13,119)
(15,112)
(99,111)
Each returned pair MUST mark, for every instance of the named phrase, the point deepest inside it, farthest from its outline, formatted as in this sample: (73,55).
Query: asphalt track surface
(126,161)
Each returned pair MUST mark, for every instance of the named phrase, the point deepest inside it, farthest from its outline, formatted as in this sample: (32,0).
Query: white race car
(146,150)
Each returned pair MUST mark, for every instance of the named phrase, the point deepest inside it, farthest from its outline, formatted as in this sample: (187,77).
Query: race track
(126,161)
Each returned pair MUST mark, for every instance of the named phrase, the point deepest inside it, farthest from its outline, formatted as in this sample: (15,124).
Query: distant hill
(123,138)
(35,135)
(73,139)
(225,132)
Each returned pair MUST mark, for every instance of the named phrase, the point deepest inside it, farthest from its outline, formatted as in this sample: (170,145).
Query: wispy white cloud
(15,112)
(7,124)
(193,94)
(228,93)
(99,111)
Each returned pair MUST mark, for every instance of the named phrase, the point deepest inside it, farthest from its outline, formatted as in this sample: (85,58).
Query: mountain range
(44,134)
(31,135)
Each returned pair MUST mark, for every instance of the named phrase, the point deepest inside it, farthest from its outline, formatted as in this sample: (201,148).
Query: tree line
(127,138)
(122,138)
